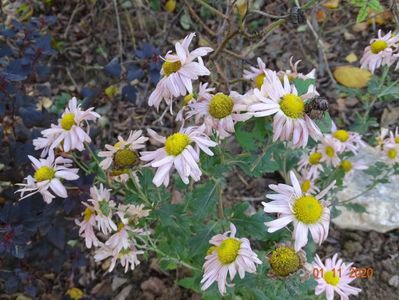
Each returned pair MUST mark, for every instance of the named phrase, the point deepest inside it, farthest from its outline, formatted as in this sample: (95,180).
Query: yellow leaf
(351,57)
(111,91)
(75,293)
(170,5)
(331,4)
(352,77)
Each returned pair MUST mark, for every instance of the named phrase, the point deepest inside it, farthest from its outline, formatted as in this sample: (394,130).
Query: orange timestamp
(353,272)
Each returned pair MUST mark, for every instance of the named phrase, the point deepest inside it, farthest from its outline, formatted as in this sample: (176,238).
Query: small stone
(153,285)
(394,281)
(117,282)
(353,247)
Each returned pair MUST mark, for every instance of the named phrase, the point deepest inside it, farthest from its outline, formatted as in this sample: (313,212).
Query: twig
(268,15)
(77,8)
(118,23)
(199,20)
(222,45)
(211,8)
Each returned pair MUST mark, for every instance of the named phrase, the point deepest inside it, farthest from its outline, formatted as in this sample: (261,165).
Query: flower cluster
(117,225)
(388,144)
(382,51)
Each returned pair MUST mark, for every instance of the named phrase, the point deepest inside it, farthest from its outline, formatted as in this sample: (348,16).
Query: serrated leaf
(362,15)
(302,85)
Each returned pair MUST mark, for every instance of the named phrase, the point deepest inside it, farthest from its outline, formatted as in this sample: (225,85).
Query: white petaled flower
(203,93)
(311,163)
(293,73)
(391,152)
(290,122)
(393,137)
(334,278)
(86,227)
(348,166)
(307,183)
(48,175)
(228,255)
(123,155)
(220,112)
(178,71)
(133,211)
(103,207)
(257,74)
(178,153)
(329,149)
(307,212)
(380,52)
(69,133)
(127,256)
(348,140)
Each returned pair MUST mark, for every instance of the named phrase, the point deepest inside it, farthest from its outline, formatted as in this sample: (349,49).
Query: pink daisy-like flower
(291,123)
(347,140)
(348,166)
(391,152)
(293,73)
(220,112)
(69,132)
(103,208)
(393,137)
(86,227)
(334,276)
(311,164)
(257,74)
(127,256)
(123,155)
(329,149)
(307,183)
(178,153)
(380,52)
(307,212)
(134,212)
(203,93)
(48,175)
(178,71)
(228,255)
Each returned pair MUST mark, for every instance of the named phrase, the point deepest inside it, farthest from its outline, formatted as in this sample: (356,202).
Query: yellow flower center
(346,165)
(170,67)
(220,106)
(259,80)
(120,226)
(67,121)
(228,250)
(378,46)
(75,293)
(292,106)
(117,146)
(117,172)
(305,186)
(284,261)
(87,214)
(211,249)
(176,143)
(397,140)
(187,99)
(331,278)
(44,173)
(308,209)
(330,152)
(125,158)
(314,158)
(392,153)
(341,135)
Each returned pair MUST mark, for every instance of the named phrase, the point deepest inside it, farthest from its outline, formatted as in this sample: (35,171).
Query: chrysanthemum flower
(347,140)
(69,133)
(48,175)
(329,149)
(307,183)
(307,212)
(228,255)
(393,137)
(291,123)
(203,93)
(284,260)
(178,153)
(380,52)
(335,278)
(348,166)
(133,212)
(311,163)
(178,71)
(86,227)
(257,74)
(220,112)
(123,156)
(391,153)
(293,73)
(103,208)
(127,256)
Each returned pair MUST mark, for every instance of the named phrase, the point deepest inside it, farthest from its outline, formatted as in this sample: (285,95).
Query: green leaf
(302,85)
(356,207)
(191,283)
(251,133)
(325,123)
(252,226)
(204,199)
(375,5)
(362,15)
(185,21)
